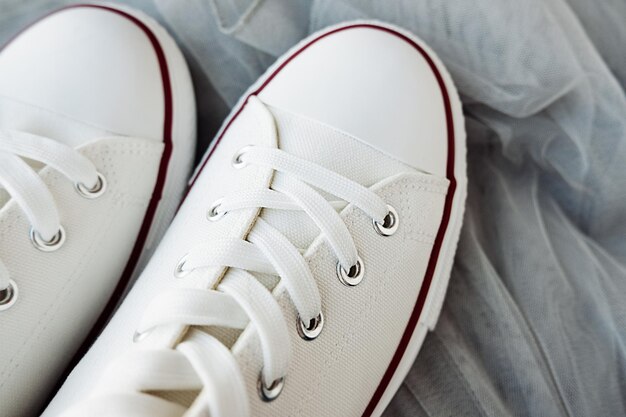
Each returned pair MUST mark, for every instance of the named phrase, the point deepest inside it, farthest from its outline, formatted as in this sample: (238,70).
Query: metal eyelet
(353,276)
(213,214)
(8,296)
(313,329)
(48,245)
(139,336)
(389,225)
(237,162)
(180,271)
(94,192)
(271,392)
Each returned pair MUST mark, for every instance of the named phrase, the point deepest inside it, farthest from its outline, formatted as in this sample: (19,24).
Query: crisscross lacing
(201,362)
(27,188)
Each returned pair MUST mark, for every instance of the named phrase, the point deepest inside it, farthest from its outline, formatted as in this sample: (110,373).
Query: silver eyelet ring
(237,161)
(213,214)
(271,392)
(180,271)
(353,276)
(313,329)
(139,336)
(389,226)
(8,296)
(47,245)
(94,192)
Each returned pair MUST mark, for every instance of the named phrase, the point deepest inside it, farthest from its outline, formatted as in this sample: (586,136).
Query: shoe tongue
(333,149)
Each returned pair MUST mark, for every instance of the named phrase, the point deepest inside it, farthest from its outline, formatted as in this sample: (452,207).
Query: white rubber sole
(434,300)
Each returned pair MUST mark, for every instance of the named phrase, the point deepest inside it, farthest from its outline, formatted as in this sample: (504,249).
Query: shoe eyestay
(48,245)
(389,225)
(95,191)
(311,330)
(8,296)
(180,271)
(213,213)
(238,161)
(353,276)
(270,392)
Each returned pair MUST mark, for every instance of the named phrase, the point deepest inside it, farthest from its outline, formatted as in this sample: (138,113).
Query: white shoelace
(29,191)
(203,363)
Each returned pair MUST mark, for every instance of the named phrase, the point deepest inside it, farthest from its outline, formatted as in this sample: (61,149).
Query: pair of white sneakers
(305,265)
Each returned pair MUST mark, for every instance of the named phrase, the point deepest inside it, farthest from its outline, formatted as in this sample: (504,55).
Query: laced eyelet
(237,162)
(139,336)
(271,392)
(180,271)
(48,245)
(94,192)
(389,225)
(311,330)
(353,276)
(8,296)
(213,214)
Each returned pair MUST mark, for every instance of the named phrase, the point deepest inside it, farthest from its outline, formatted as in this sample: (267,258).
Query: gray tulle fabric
(535,319)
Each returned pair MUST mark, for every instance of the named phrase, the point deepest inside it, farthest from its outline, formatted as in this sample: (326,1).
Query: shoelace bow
(200,361)
(31,193)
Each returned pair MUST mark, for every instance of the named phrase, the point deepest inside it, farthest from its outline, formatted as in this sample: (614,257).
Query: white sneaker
(353,145)
(97,131)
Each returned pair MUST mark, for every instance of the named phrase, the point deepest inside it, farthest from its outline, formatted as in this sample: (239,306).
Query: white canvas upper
(329,154)
(82,92)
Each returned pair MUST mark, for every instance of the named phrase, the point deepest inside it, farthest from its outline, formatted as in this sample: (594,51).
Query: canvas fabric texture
(534,320)
(97,245)
(337,373)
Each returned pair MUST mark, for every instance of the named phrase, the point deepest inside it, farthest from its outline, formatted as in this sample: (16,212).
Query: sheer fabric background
(535,320)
